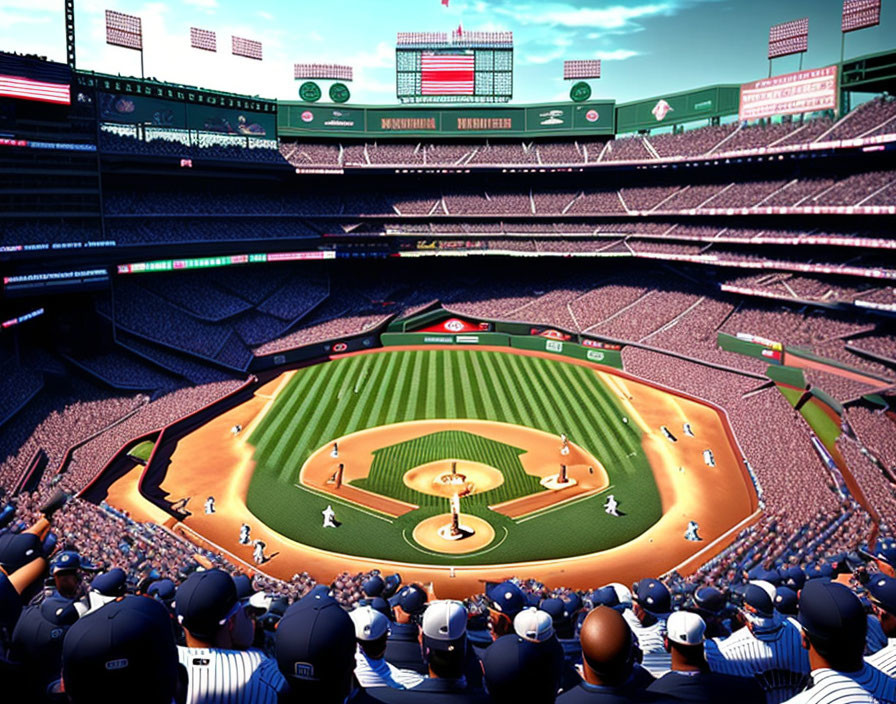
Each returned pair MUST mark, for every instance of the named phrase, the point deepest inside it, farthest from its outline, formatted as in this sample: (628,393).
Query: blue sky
(648,47)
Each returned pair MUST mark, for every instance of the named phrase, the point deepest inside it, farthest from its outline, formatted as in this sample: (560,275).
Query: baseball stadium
(461,340)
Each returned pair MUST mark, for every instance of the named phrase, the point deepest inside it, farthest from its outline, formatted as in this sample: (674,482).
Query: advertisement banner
(456,325)
(212,118)
(549,117)
(139,110)
(594,117)
(789,94)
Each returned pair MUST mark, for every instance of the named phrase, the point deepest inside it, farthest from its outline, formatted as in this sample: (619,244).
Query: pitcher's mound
(426,534)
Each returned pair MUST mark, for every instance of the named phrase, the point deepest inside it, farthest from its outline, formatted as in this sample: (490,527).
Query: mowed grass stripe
(284,439)
(451,401)
(611,414)
(493,384)
(472,403)
(300,441)
(480,387)
(285,406)
(510,389)
(416,401)
(399,387)
(432,385)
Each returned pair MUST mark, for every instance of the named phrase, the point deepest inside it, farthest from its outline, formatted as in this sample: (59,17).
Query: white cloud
(606,18)
(8,19)
(616,54)
(206,5)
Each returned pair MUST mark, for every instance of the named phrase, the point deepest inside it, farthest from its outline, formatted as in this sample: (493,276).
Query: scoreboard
(463,69)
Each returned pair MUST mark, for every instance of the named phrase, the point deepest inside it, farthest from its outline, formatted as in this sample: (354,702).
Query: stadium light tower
(857,14)
(788,38)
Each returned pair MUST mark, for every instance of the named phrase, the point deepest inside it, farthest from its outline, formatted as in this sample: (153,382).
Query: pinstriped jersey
(885,659)
(219,676)
(867,686)
(651,641)
(775,657)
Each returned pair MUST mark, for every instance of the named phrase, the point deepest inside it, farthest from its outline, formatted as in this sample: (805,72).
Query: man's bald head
(606,646)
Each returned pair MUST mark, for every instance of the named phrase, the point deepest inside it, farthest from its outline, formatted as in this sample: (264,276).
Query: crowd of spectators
(870,119)
(192,146)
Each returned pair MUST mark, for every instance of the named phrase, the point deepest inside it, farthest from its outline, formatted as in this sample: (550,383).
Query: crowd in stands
(791,612)
(191,146)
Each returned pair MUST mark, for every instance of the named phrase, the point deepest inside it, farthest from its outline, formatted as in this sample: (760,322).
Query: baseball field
(387,437)
(326,402)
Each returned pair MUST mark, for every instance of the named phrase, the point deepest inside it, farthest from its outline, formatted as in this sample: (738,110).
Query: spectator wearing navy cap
(505,601)
(882,592)
(36,647)
(523,670)
(444,641)
(608,659)
(834,626)
(710,603)
(371,669)
(123,652)
(403,644)
(314,655)
(106,587)
(786,601)
(66,570)
(218,633)
(373,586)
(647,619)
(690,679)
(768,648)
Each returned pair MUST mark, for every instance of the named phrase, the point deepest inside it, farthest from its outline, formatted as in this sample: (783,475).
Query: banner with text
(789,94)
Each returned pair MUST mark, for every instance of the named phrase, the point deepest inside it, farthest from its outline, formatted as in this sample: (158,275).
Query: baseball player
(769,648)
(244,534)
(258,551)
(834,625)
(329,517)
(210,505)
(218,633)
(691,532)
(882,593)
(652,603)
(335,451)
(611,505)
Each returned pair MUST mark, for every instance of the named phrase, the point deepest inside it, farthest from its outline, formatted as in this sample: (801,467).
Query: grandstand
(157,277)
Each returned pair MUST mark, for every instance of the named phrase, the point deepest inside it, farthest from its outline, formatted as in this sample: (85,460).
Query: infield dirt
(210,461)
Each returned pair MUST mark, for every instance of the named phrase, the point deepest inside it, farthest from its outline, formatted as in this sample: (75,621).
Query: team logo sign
(339,93)
(309,91)
(454,325)
(580,92)
(553,346)
(595,356)
(340,347)
(661,109)
(592,116)
(307,116)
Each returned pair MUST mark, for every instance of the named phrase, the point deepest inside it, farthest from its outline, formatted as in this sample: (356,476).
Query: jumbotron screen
(454,74)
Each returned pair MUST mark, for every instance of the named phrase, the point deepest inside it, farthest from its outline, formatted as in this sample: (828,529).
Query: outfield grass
(324,402)
(142,450)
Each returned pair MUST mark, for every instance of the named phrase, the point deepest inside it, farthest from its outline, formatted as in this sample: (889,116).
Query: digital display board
(478,75)
(789,94)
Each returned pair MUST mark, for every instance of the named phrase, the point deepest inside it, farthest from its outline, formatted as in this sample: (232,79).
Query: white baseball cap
(533,625)
(444,622)
(369,623)
(685,628)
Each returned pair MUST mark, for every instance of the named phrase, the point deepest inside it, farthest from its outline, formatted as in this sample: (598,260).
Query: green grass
(141,451)
(825,427)
(390,464)
(326,401)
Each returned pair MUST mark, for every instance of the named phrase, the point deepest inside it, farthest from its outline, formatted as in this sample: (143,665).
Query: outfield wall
(610,358)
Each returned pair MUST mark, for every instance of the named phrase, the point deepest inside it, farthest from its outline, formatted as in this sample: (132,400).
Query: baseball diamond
(373,434)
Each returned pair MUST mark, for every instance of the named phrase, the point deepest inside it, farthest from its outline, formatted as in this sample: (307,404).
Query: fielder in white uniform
(611,506)
(329,517)
(258,552)
(691,532)
(244,534)
(210,505)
